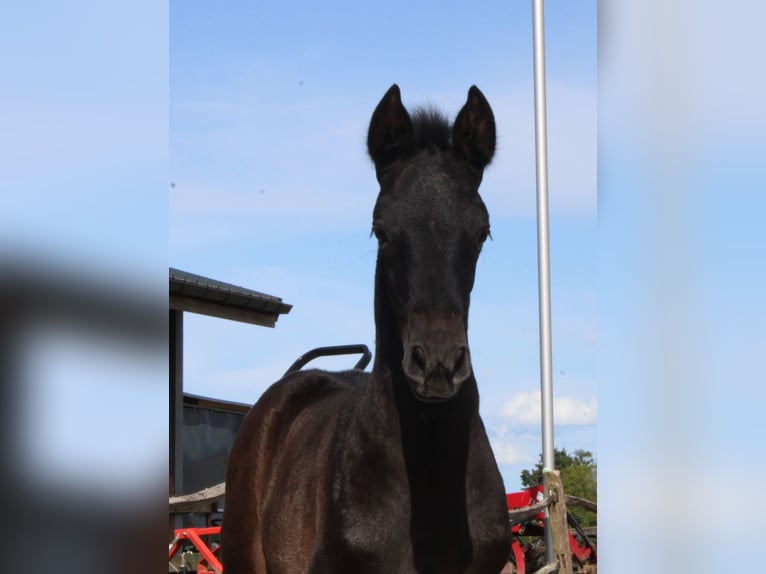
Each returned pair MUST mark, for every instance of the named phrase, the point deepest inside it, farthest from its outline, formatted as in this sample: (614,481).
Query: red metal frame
(520,500)
(582,553)
(527,498)
(209,561)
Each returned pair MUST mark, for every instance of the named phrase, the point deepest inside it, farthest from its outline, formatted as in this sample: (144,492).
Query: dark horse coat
(391,471)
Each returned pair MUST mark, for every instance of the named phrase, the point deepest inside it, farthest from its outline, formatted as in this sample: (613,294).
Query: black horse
(388,472)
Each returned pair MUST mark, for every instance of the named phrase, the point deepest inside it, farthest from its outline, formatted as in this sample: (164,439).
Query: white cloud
(524,408)
(506,453)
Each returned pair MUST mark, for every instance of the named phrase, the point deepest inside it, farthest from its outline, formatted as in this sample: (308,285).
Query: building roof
(198,294)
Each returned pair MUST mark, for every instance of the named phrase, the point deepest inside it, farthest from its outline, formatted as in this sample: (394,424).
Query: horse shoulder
(278,450)
(366,520)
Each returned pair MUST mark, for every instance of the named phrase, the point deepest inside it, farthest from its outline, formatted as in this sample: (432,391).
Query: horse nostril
(460,359)
(462,364)
(414,364)
(419,356)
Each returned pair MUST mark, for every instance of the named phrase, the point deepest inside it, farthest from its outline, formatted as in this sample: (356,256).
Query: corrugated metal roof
(205,289)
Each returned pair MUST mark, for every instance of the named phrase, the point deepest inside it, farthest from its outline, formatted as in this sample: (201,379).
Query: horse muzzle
(436,358)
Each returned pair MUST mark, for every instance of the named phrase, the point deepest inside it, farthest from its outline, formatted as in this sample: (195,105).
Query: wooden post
(558,520)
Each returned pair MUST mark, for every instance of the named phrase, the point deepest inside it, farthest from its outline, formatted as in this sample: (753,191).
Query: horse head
(430,223)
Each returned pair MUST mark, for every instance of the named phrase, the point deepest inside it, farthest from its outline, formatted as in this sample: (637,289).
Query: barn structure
(202,429)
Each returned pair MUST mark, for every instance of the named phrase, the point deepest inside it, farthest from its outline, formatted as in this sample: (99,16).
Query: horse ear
(390,132)
(473,135)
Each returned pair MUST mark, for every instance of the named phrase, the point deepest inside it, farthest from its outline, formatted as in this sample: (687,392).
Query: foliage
(578,474)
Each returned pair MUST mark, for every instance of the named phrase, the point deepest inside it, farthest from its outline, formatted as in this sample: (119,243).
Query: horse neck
(389,348)
(435,446)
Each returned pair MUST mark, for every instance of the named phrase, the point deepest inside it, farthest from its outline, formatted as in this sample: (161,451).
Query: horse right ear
(473,134)
(390,133)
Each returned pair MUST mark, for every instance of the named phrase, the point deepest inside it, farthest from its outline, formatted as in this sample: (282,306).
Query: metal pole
(543,260)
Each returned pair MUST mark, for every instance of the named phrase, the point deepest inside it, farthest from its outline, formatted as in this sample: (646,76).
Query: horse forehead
(432,191)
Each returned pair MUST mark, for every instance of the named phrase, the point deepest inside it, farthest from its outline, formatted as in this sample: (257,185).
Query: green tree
(578,474)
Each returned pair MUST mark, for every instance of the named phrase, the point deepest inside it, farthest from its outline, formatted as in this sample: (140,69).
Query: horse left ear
(390,134)
(473,135)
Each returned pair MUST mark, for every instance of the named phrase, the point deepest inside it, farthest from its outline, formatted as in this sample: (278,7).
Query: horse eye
(483,234)
(380,235)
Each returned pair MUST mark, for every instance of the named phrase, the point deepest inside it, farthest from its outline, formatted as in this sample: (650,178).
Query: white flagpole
(543,259)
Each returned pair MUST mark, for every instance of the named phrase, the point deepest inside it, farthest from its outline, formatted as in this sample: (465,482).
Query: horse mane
(430,129)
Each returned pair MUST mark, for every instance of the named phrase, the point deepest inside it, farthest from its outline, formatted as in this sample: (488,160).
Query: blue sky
(678,277)
(272,188)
